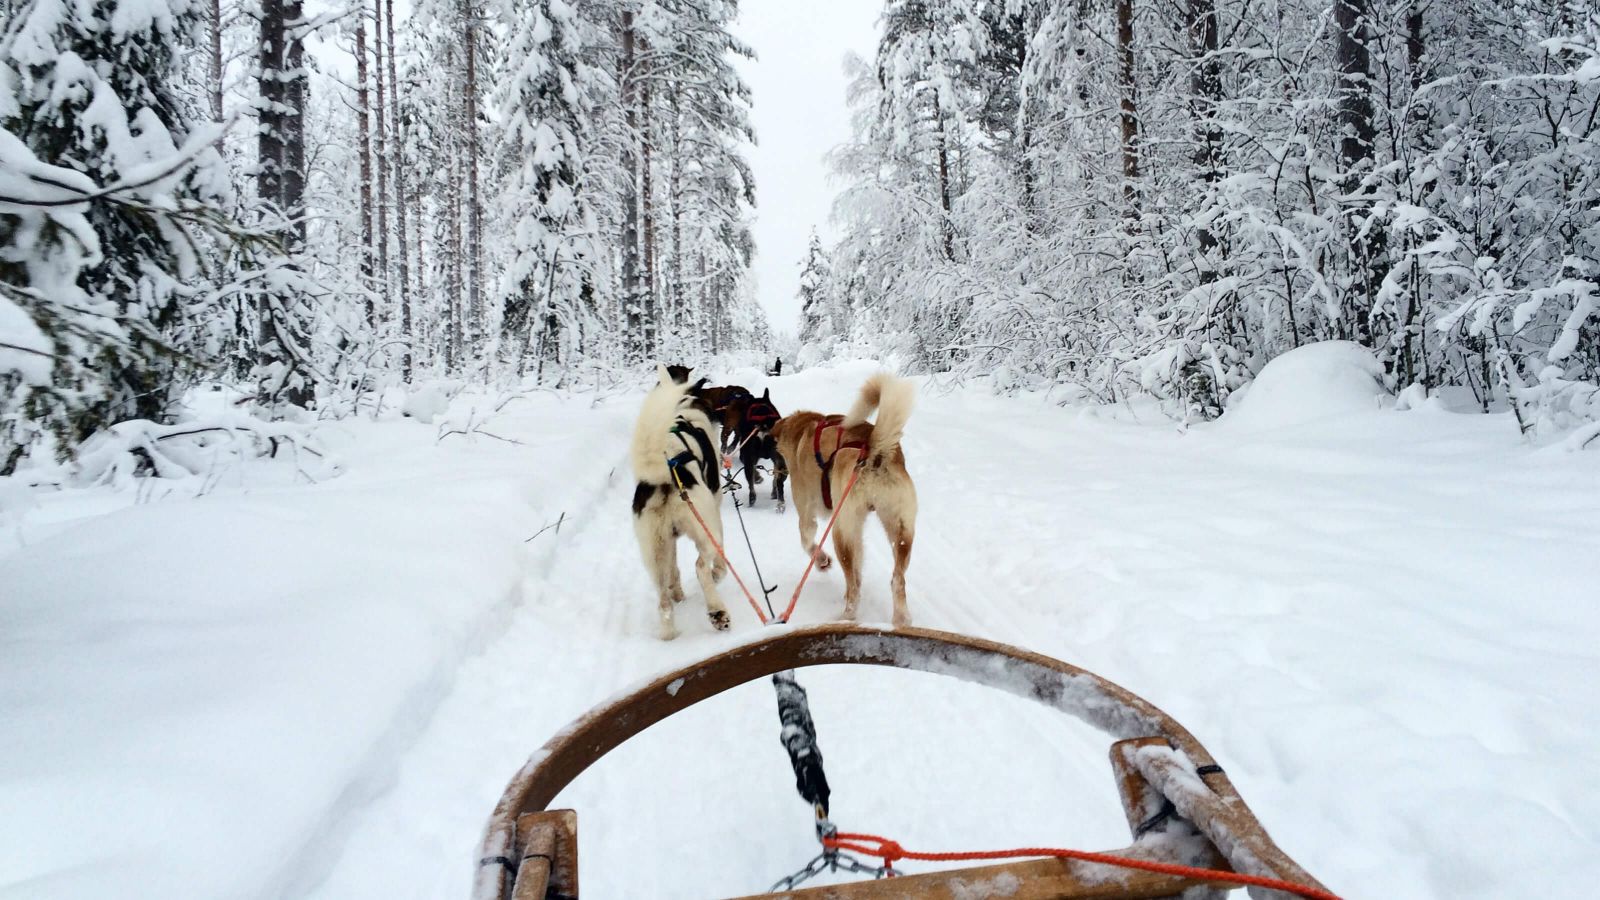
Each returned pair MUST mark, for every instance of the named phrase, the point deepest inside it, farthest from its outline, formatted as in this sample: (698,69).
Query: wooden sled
(1169,784)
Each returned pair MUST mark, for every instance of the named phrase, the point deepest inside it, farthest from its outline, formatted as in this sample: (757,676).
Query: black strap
(1166,812)
(499,860)
(1212,769)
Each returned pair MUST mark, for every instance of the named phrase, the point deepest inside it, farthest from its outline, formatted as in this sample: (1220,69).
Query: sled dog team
(674,453)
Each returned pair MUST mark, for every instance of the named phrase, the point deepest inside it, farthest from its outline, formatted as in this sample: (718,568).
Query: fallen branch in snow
(133,451)
(479,430)
(556,525)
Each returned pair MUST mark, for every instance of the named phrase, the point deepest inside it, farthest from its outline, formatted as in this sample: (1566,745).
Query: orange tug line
(684,496)
(889,851)
(817,551)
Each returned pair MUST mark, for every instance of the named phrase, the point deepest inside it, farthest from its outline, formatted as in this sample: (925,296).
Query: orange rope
(817,551)
(684,495)
(889,851)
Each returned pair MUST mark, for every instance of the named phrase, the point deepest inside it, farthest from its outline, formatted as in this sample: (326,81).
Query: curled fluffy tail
(892,398)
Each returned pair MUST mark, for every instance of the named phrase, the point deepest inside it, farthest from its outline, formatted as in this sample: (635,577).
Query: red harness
(832,422)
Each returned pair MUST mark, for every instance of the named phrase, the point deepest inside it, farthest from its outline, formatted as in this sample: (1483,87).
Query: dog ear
(767,395)
(662,375)
(695,389)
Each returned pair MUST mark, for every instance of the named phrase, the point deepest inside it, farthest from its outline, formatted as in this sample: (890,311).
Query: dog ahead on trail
(752,437)
(822,451)
(747,422)
(674,449)
(728,403)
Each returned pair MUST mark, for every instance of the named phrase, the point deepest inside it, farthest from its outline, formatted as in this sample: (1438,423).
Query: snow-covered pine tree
(98,126)
(816,319)
(543,208)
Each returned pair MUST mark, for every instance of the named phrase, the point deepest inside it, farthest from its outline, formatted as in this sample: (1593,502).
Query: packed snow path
(1384,627)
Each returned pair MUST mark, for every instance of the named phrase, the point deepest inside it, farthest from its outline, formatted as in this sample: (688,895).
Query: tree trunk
(474,207)
(1357,137)
(651,312)
(401,247)
(680,318)
(1415,49)
(1130,113)
(1206,86)
(364,143)
(281,185)
(455,347)
(215,63)
(381,151)
(946,220)
(630,200)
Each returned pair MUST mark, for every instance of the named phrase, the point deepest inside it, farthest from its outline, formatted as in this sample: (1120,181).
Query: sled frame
(1163,773)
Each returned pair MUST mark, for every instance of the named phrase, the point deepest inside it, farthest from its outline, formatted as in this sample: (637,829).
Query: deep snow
(1382,623)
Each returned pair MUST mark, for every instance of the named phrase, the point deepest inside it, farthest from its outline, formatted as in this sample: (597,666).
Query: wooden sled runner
(1168,783)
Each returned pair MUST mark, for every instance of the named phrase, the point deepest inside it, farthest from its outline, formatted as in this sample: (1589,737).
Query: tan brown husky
(823,450)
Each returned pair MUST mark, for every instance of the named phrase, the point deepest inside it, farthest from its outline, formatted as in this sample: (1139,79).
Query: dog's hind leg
(708,566)
(847,546)
(669,566)
(655,545)
(902,533)
(749,456)
(780,474)
(808,532)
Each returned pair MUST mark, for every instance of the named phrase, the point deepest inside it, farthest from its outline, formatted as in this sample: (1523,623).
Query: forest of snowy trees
(309,203)
(1158,196)
(1132,197)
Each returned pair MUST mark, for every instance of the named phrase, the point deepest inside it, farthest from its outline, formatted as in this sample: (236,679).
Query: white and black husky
(674,449)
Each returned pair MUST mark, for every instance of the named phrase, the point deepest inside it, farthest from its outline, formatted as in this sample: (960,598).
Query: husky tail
(892,398)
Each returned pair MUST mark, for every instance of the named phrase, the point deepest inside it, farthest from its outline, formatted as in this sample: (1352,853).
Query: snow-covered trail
(1383,645)
(1383,626)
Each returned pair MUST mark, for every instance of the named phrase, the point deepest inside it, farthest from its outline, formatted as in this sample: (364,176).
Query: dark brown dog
(753,419)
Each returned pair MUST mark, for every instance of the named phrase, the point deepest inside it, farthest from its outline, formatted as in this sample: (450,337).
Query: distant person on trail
(777,367)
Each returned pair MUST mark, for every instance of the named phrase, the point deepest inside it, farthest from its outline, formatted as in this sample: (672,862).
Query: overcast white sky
(798,82)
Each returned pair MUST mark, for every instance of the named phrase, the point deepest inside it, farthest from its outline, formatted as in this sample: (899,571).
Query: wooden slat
(538,859)
(1230,827)
(547,844)
(1140,803)
(1032,879)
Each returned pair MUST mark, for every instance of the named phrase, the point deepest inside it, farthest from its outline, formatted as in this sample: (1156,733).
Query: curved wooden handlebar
(1065,687)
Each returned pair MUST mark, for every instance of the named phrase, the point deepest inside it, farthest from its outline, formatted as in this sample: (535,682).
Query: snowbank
(1313,383)
(195,691)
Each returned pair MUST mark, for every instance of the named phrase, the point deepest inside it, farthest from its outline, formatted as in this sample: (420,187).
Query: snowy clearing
(1382,623)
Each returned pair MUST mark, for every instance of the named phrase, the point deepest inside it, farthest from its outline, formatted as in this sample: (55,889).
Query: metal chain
(830,860)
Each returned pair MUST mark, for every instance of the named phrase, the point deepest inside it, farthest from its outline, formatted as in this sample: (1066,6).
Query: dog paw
(781,507)
(719,619)
(677,596)
(902,619)
(668,631)
(824,561)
